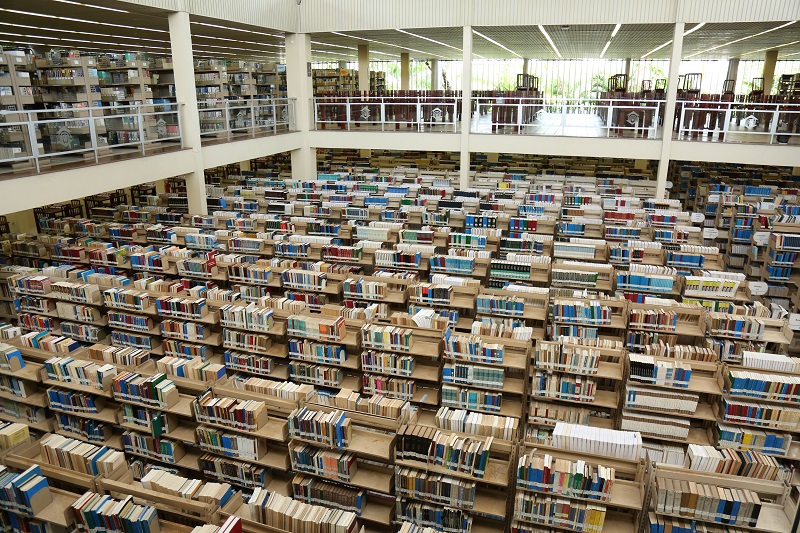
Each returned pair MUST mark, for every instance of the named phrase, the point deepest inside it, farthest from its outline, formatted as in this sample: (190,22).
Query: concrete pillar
(628,72)
(299,85)
(365,152)
(669,109)
(466,109)
(363,67)
(342,65)
(22,222)
(769,69)
(180,35)
(526,65)
(436,75)
(244,166)
(733,70)
(405,71)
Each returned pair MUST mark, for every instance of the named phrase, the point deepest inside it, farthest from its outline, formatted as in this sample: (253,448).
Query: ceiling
(120,27)
(572,42)
(46,24)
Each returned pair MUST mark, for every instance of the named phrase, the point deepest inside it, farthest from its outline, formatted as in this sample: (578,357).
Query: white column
(342,65)
(770,57)
(405,71)
(733,70)
(299,86)
(466,106)
(628,75)
(363,67)
(180,35)
(669,108)
(526,64)
(436,75)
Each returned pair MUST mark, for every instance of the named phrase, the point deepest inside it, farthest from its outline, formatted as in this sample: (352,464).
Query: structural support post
(342,65)
(669,109)
(770,58)
(466,107)
(526,65)
(405,71)
(436,75)
(180,35)
(733,70)
(299,86)
(628,73)
(363,67)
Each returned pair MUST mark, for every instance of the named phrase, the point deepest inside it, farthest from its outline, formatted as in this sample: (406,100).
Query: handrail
(88,131)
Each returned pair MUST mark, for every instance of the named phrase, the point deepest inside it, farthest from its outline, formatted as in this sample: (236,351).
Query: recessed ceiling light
(616,29)
(775,47)
(59,30)
(83,21)
(479,34)
(230,28)
(741,39)
(549,40)
(93,7)
(385,44)
(335,45)
(687,32)
(608,43)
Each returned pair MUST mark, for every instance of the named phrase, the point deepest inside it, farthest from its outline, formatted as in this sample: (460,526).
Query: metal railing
(744,122)
(232,119)
(578,117)
(51,136)
(420,113)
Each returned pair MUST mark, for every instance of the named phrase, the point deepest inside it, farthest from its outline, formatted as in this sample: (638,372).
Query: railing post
(33,142)
(655,119)
(773,128)
(140,121)
(680,121)
(383,114)
(519,116)
(727,124)
(609,118)
(347,111)
(454,115)
(275,115)
(180,129)
(227,120)
(316,112)
(419,114)
(93,135)
(253,108)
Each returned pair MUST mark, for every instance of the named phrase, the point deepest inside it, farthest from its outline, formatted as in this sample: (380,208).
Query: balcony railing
(34,139)
(742,122)
(234,119)
(574,117)
(388,113)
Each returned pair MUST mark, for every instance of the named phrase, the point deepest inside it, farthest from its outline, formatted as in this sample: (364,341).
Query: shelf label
(761,238)
(794,321)
(710,233)
(698,217)
(758,288)
(713,199)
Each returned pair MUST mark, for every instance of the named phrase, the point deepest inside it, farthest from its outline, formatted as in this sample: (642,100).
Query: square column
(363,68)
(466,107)
(770,58)
(669,108)
(733,70)
(436,75)
(180,35)
(299,86)
(405,71)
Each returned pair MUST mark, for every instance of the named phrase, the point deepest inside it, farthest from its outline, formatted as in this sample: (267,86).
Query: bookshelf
(616,504)
(775,514)
(402,360)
